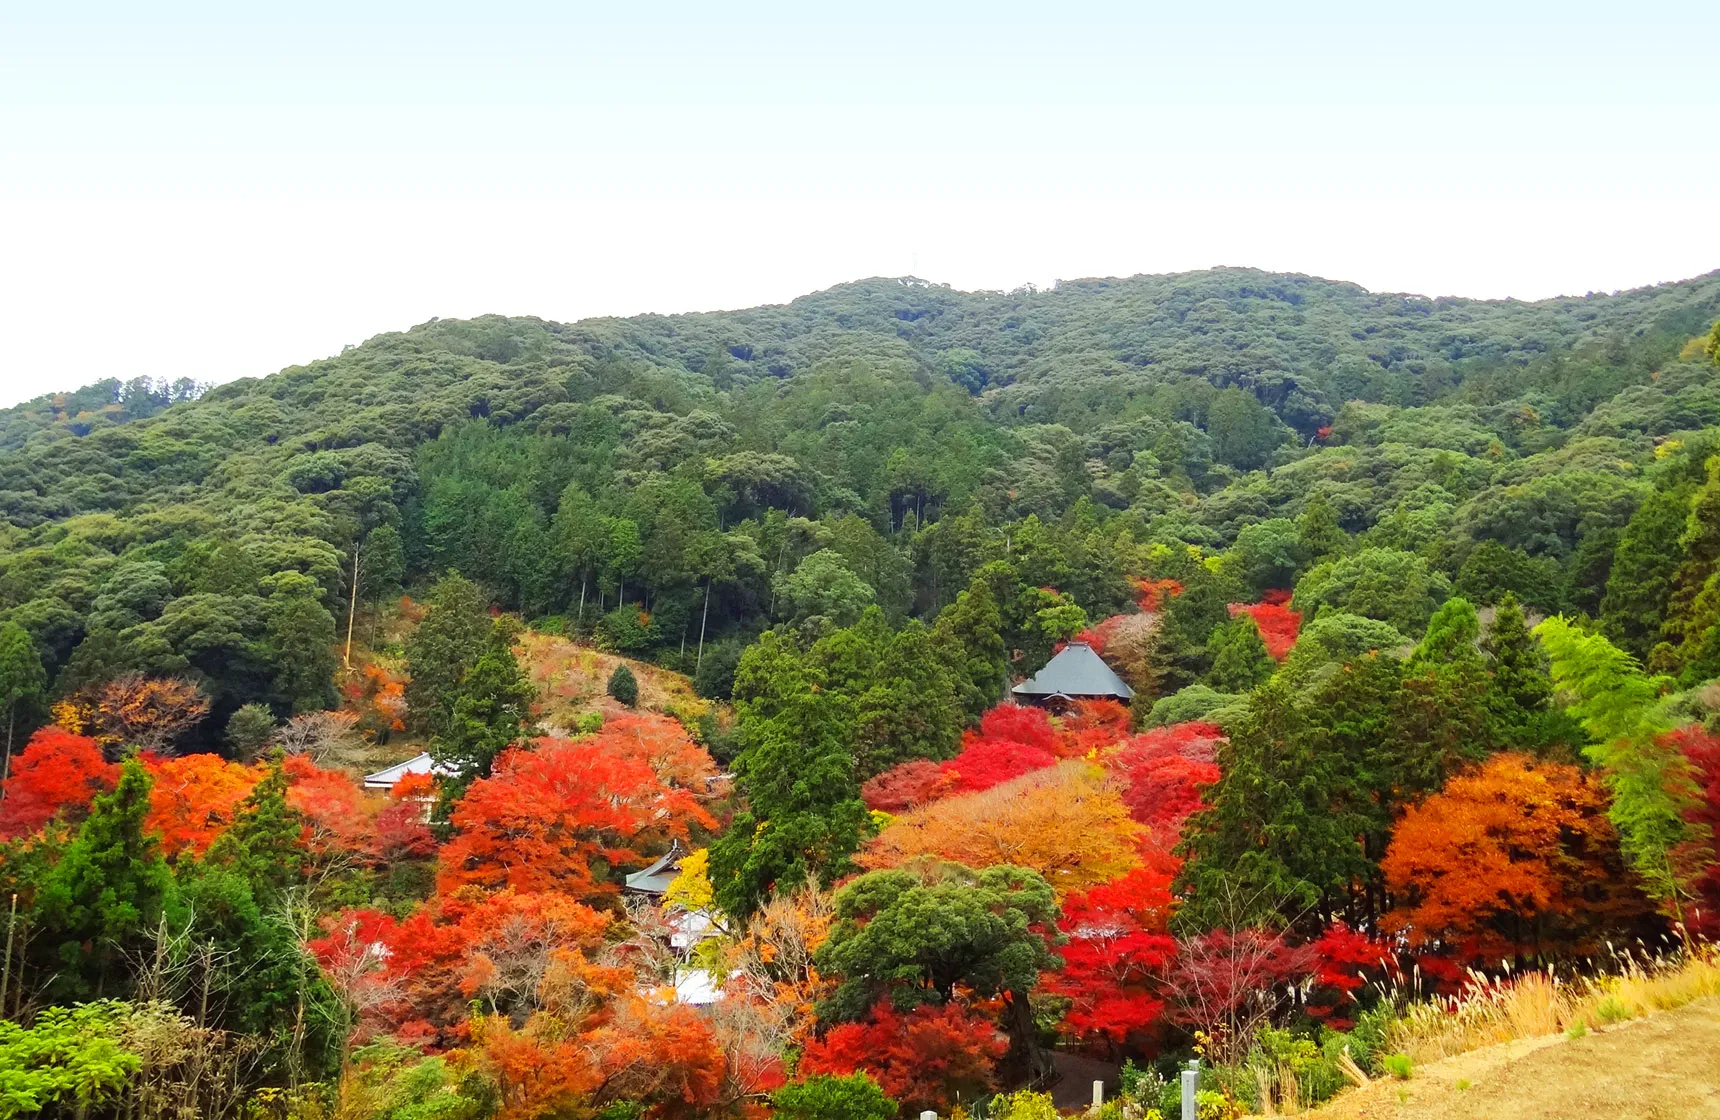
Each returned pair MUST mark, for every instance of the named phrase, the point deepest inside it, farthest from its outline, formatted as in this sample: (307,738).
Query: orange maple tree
(56,772)
(551,818)
(1513,858)
(194,799)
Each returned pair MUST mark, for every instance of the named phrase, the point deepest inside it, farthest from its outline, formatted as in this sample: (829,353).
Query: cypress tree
(1239,657)
(107,894)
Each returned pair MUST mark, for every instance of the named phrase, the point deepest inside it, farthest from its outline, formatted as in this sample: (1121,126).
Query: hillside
(1379,720)
(1157,399)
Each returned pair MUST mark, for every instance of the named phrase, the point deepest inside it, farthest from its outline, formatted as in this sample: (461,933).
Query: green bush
(623,686)
(1023,1105)
(1398,1065)
(855,1097)
(590,723)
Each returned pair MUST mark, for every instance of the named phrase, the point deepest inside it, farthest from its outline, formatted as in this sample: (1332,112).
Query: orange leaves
(662,744)
(338,815)
(134,711)
(1513,857)
(1065,822)
(535,1072)
(194,799)
(56,771)
(558,817)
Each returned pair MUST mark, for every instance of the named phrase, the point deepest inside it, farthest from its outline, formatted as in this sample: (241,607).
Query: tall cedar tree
(1239,657)
(804,817)
(1643,567)
(968,635)
(485,712)
(455,632)
(105,896)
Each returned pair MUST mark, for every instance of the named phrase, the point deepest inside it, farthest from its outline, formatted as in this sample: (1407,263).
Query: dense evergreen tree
(105,896)
(452,637)
(1239,657)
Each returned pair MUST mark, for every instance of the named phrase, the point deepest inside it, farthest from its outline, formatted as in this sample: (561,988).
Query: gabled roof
(1076,672)
(420,764)
(656,878)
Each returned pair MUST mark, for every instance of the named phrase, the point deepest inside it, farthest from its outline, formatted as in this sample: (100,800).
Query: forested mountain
(1416,605)
(650,458)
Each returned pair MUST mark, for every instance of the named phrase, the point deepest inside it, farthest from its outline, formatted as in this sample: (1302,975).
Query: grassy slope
(1657,1068)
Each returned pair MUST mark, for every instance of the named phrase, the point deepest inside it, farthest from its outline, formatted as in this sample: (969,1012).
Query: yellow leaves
(691,890)
(1066,822)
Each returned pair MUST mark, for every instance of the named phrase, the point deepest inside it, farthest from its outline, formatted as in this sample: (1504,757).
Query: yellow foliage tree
(1066,822)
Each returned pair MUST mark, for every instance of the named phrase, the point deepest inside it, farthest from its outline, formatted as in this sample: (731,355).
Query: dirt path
(1665,1067)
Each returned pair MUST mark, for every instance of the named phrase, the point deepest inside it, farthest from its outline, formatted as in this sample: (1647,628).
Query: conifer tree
(105,896)
(485,712)
(1239,657)
(1644,564)
(804,817)
(454,633)
(968,635)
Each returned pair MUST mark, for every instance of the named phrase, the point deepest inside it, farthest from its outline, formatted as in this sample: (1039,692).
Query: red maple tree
(56,771)
(1117,949)
(927,1058)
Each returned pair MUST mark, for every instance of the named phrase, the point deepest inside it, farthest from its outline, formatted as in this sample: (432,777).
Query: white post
(1098,1093)
(928,1115)
(1190,1082)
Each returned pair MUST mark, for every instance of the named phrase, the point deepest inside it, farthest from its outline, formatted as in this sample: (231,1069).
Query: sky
(210,191)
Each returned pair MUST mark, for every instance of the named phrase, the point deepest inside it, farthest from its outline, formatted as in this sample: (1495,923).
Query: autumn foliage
(56,771)
(1513,858)
(554,817)
(927,1058)
(134,712)
(1065,822)
(1162,772)
(194,798)
(1114,959)
(1278,624)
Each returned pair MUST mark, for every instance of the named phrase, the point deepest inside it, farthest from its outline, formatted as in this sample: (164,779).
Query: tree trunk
(580,625)
(1025,1060)
(6,767)
(352,607)
(703,615)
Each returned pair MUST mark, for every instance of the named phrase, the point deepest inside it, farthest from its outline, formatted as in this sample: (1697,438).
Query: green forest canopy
(897,435)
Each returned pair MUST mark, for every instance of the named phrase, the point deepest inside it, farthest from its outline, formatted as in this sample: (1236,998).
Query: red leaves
(1278,624)
(544,816)
(338,815)
(1702,750)
(989,762)
(55,771)
(906,786)
(1150,594)
(1016,723)
(1116,952)
(1162,773)
(1343,960)
(926,1059)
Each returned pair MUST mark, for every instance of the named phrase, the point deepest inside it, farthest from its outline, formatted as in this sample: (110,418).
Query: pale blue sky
(202,190)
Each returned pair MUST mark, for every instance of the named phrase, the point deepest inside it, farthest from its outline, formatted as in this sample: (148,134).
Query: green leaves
(70,1057)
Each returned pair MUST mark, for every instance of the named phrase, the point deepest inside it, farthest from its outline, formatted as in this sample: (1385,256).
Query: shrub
(1024,1105)
(590,723)
(854,1097)
(623,686)
(1398,1065)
